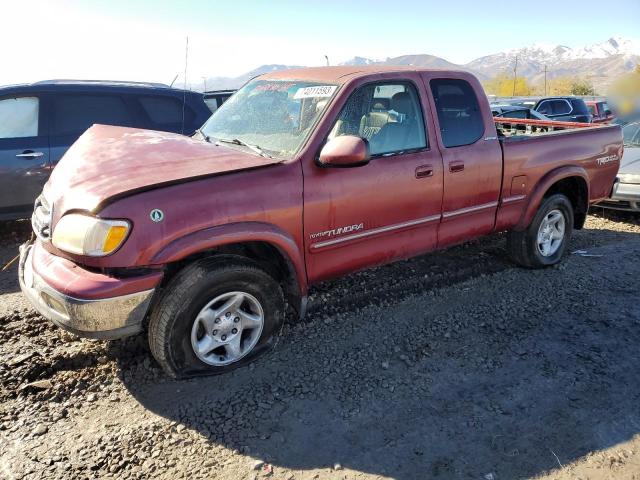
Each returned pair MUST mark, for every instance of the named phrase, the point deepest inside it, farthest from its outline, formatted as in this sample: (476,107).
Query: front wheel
(215,315)
(546,240)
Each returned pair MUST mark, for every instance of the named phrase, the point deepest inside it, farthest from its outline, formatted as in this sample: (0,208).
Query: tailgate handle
(456,167)
(424,171)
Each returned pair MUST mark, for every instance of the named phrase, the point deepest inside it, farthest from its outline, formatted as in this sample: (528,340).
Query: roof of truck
(342,73)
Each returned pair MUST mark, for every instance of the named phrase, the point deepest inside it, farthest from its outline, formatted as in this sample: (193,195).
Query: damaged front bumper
(87,307)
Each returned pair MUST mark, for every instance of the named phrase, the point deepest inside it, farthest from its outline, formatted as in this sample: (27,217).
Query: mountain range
(599,63)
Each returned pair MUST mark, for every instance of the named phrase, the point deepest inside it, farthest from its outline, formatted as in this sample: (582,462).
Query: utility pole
(515,76)
(204,81)
(326,57)
(545,80)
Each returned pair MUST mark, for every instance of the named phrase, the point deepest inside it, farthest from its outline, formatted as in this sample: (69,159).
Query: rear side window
(73,114)
(579,106)
(166,111)
(19,117)
(555,107)
(458,112)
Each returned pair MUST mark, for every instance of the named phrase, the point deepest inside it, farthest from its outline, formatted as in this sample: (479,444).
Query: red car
(600,111)
(303,175)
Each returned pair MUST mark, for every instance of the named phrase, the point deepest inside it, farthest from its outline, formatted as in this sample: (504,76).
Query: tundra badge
(604,160)
(338,231)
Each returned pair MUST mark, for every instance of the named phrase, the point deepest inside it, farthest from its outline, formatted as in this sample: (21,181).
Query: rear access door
(471,155)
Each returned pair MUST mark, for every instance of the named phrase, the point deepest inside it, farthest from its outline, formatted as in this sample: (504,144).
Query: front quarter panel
(268,196)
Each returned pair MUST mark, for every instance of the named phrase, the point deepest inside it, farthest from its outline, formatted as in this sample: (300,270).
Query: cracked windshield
(275,116)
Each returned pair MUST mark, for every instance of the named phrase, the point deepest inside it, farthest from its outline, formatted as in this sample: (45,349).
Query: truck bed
(529,155)
(520,127)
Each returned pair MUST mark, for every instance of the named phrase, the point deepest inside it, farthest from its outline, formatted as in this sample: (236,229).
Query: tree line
(503,85)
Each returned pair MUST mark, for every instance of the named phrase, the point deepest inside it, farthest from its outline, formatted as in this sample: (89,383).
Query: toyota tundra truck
(301,176)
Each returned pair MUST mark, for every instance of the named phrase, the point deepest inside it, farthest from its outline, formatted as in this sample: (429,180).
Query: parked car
(212,240)
(39,121)
(514,111)
(600,111)
(625,194)
(565,109)
(215,98)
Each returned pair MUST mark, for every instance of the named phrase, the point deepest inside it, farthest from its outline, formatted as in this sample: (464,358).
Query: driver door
(389,209)
(24,154)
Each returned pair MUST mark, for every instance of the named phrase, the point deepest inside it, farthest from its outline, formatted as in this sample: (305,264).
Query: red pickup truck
(302,176)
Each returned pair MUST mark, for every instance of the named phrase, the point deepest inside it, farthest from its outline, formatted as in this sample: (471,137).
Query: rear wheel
(215,315)
(545,241)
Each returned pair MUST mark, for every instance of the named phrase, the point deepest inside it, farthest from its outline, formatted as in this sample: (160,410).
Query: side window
(19,117)
(545,108)
(458,112)
(212,103)
(560,107)
(516,114)
(73,114)
(166,111)
(630,132)
(388,115)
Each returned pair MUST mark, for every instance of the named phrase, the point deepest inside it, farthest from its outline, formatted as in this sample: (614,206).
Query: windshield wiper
(237,141)
(203,135)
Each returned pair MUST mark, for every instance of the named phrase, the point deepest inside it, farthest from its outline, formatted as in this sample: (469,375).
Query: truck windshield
(274,116)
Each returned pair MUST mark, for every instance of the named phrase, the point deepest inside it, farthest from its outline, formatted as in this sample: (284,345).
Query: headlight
(629,177)
(85,235)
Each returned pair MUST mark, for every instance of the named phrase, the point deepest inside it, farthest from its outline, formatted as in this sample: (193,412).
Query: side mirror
(345,151)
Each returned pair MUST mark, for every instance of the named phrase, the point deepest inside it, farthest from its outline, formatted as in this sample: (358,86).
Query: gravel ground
(451,365)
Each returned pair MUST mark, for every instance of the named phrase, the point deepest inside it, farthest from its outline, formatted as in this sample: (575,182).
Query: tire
(524,247)
(189,319)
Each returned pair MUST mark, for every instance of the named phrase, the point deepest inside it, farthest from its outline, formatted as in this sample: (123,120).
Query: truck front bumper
(82,301)
(624,196)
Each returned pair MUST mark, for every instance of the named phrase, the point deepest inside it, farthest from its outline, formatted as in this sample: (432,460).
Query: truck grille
(41,218)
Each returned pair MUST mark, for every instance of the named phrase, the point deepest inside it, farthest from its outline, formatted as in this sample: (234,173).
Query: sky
(145,40)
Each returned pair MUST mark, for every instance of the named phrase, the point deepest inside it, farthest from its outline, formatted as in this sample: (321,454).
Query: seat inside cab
(388,116)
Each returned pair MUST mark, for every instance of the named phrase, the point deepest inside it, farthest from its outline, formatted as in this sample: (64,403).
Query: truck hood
(109,162)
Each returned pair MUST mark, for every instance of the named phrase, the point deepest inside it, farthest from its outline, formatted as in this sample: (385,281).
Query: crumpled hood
(630,162)
(108,162)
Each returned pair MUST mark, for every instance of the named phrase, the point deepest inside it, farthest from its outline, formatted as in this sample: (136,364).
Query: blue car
(40,121)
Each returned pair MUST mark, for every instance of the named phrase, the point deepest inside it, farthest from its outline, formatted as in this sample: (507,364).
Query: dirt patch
(450,365)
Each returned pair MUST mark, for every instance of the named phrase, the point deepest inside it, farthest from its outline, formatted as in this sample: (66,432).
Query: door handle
(424,171)
(29,154)
(456,167)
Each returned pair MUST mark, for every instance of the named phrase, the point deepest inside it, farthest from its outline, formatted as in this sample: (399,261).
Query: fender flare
(241,232)
(543,185)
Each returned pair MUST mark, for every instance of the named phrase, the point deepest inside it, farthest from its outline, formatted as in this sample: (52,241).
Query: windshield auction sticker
(319,91)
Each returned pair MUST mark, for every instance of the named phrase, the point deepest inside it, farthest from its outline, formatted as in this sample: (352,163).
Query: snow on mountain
(600,62)
(613,46)
(550,54)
